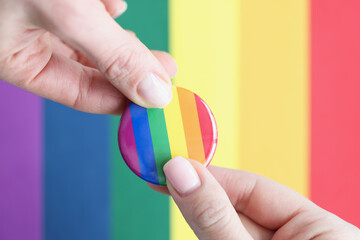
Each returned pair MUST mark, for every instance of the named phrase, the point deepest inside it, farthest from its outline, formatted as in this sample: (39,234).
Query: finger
(158,188)
(122,58)
(72,84)
(131,33)
(255,230)
(61,79)
(167,62)
(266,202)
(61,48)
(163,57)
(56,77)
(115,7)
(202,201)
(251,197)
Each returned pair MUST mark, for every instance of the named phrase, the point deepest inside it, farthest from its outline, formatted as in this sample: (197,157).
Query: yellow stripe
(175,127)
(275,90)
(204,40)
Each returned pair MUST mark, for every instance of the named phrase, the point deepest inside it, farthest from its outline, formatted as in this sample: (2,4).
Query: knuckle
(211,215)
(68,17)
(83,91)
(124,66)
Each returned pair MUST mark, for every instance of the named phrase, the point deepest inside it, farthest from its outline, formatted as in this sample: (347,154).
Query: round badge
(148,138)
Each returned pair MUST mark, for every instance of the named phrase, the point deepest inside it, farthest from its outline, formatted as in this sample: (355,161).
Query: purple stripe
(20,164)
(127,143)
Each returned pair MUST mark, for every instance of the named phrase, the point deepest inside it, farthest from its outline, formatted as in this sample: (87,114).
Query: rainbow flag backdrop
(281,77)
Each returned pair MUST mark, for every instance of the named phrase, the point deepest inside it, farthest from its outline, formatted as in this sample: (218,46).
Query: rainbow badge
(148,138)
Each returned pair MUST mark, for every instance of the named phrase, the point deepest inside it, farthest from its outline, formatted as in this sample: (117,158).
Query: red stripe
(335,141)
(208,128)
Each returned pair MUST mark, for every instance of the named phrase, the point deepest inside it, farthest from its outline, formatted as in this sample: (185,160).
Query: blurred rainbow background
(282,78)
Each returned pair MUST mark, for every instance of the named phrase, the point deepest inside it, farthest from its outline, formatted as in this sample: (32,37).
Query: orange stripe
(191,125)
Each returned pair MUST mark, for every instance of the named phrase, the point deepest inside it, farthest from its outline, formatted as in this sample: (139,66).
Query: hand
(74,53)
(221,203)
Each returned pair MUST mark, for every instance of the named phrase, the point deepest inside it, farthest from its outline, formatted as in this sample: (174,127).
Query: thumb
(122,58)
(202,201)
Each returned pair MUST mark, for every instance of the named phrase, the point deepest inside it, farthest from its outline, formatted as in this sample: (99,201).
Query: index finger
(265,201)
(126,62)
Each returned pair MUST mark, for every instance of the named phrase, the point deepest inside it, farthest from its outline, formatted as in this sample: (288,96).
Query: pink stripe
(127,143)
(20,164)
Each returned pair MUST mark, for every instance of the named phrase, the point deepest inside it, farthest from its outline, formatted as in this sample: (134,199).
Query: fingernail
(181,175)
(120,9)
(155,91)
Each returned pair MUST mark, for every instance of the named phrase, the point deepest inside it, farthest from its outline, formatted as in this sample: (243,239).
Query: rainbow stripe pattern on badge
(148,138)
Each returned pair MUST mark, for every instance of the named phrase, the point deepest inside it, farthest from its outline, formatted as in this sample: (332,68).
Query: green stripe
(160,141)
(137,211)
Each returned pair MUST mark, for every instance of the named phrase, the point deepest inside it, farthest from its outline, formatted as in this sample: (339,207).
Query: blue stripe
(144,144)
(77,174)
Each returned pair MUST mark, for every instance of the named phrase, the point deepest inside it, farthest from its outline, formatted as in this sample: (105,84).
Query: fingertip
(154,91)
(119,9)
(158,188)
(167,61)
(182,175)
(115,7)
(133,34)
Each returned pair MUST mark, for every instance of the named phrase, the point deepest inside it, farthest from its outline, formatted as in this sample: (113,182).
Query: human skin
(220,203)
(74,53)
